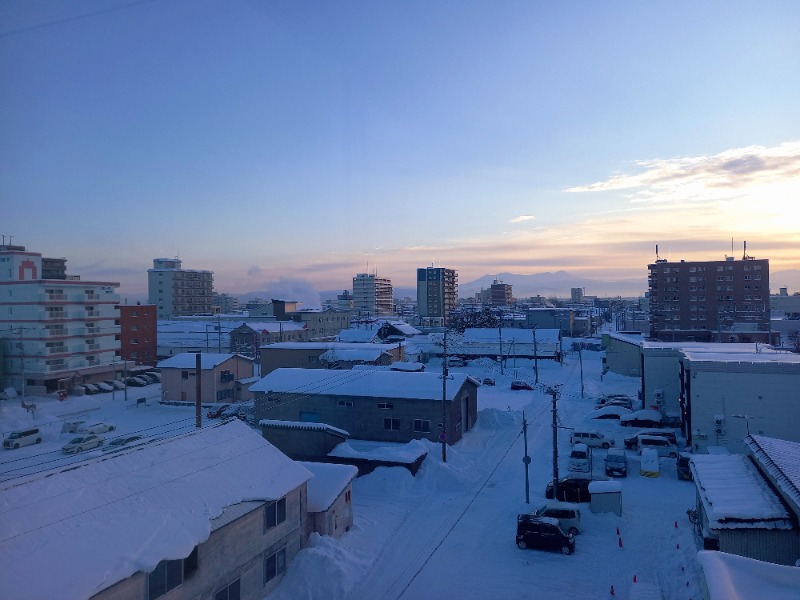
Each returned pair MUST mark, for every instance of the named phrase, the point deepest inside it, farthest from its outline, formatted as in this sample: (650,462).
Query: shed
(330,504)
(606,496)
(300,440)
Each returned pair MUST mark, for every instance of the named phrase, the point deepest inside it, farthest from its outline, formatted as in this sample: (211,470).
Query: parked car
(488,381)
(216,413)
(649,463)
(660,444)
(135,382)
(120,442)
(71,426)
(571,488)
(543,533)
(592,438)
(147,377)
(616,463)
(81,443)
(642,418)
(608,412)
(155,375)
(104,387)
(623,403)
(632,441)
(120,385)
(22,437)
(97,427)
(580,458)
(231,411)
(90,388)
(568,516)
(622,399)
(520,384)
(455,361)
(684,472)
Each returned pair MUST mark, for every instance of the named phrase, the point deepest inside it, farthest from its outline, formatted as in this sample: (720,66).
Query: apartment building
(500,294)
(179,292)
(437,295)
(57,330)
(372,295)
(138,333)
(710,301)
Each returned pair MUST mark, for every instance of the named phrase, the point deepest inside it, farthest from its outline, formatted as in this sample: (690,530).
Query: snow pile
(731,577)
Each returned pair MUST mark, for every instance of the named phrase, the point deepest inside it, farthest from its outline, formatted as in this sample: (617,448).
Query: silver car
(81,443)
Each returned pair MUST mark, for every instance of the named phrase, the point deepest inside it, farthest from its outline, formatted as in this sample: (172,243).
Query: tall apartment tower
(57,330)
(179,292)
(500,294)
(372,295)
(711,301)
(437,295)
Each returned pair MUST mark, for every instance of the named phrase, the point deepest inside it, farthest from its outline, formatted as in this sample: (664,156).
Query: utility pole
(500,333)
(554,393)
(535,356)
(443,432)
(526,460)
(198,413)
(580,359)
(219,335)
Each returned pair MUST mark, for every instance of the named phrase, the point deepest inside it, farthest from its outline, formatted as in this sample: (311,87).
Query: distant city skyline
(294,146)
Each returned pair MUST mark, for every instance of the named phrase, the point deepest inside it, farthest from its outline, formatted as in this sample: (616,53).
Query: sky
(302,143)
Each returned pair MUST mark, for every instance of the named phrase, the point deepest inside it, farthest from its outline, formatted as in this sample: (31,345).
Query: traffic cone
(634,579)
(676,524)
(617,530)
(620,542)
(682,569)
(612,591)
(677,546)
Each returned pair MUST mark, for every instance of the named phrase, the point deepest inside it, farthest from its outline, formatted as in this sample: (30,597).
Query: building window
(385,405)
(274,514)
(274,565)
(391,424)
(422,426)
(184,374)
(169,574)
(230,592)
(348,496)
(345,403)
(225,376)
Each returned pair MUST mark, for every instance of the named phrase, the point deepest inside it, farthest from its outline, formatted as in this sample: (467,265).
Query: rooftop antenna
(657,257)
(745,256)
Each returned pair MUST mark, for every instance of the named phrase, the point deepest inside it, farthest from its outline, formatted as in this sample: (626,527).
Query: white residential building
(57,330)
(179,292)
(372,295)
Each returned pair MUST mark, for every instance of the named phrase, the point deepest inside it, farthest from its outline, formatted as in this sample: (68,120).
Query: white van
(580,458)
(660,444)
(592,438)
(23,437)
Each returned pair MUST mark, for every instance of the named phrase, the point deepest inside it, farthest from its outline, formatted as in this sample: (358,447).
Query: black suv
(571,488)
(543,533)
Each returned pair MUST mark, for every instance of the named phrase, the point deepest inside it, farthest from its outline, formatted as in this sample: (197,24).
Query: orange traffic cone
(612,591)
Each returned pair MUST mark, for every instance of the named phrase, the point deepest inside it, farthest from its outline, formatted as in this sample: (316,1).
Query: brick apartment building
(138,335)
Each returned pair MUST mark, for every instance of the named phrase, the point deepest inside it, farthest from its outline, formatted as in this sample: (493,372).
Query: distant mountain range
(557,284)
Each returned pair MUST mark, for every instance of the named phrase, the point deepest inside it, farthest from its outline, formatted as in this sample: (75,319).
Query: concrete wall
(235,551)
(661,375)
(301,444)
(622,356)
(767,393)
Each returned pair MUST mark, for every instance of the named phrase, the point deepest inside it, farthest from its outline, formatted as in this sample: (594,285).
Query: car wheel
(673,455)
(522,545)
(112,428)
(38,440)
(566,549)
(79,449)
(606,445)
(16,446)
(573,531)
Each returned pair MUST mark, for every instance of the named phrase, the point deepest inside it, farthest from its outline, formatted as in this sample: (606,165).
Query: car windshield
(15,435)
(615,459)
(77,440)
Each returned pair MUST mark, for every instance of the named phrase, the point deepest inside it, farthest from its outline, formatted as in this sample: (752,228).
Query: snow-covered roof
(110,517)
(366,353)
(516,334)
(363,382)
(739,358)
(605,486)
(357,335)
(188,360)
(277,424)
(381,451)
(329,481)
(732,577)
(781,459)
(322,346)
(735,495)
(274,326)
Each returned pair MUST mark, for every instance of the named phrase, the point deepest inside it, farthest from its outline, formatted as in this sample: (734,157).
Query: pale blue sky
(314,140)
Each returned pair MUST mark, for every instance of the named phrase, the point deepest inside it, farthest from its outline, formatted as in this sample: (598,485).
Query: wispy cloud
(522,219)
(725,174)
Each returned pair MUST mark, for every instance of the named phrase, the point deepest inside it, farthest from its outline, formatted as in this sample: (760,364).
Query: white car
(81,443)
(97,428)
(104,387)
(609,412)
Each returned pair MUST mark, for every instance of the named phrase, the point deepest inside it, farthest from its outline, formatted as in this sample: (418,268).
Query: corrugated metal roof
(781,459)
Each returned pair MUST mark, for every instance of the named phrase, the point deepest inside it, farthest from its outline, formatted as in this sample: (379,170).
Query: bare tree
(794,339)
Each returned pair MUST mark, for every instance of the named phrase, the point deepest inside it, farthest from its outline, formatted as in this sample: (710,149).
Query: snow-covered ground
(449,531)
